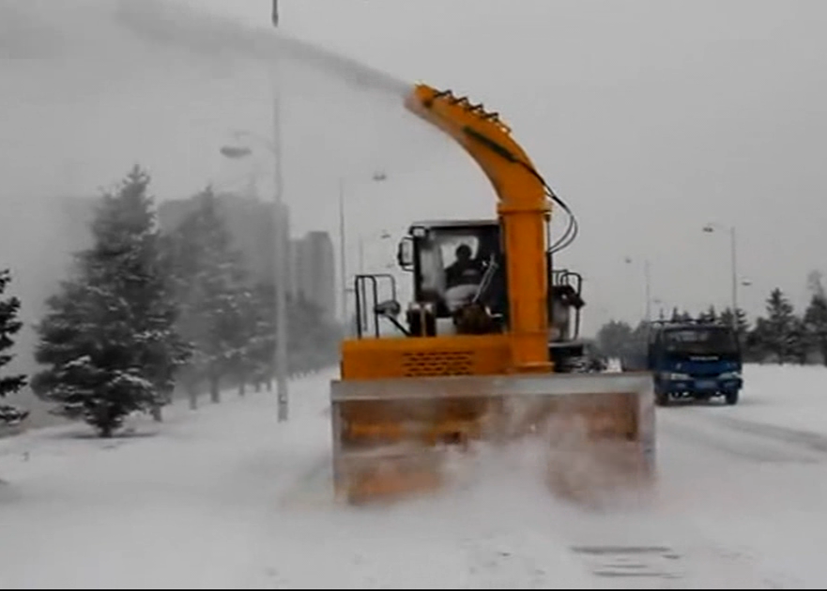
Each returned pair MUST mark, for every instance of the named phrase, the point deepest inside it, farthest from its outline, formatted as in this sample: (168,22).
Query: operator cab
(460,287)
(454,264)
(460,265)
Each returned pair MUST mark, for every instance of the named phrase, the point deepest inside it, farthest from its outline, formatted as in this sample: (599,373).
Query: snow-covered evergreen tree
(212,293)
(678,316)
(613,338)
(815,317)
(710,315)
(313,340)
(779,332)
(262,347)
(741,322)
(815,325)
(109,340)
(9,327)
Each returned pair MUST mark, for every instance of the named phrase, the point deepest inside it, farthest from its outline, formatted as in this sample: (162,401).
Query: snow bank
(792,396)
(228,498)
(785,396)
(749,479)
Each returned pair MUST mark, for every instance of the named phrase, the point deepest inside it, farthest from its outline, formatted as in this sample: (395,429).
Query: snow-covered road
(228,498)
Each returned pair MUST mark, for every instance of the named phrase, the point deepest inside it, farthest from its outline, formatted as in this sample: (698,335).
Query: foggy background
(650,118)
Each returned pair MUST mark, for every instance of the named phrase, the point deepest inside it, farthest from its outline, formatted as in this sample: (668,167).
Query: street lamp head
(235,152)
(379,176)
(709,228)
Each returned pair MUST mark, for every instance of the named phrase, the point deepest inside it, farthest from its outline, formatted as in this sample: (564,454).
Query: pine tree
(815,317)
(212,292)
(815,285)
(801,341)
(711,315)
(313,342)
(678,316)
(815,325)
(109,336)
(780,334)
(9,326)
(243,363)
(613,338)
(263,342)
(756,342)
(741,322)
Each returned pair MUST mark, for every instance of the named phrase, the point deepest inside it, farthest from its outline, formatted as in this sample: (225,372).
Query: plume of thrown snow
(47,29)
(175,24)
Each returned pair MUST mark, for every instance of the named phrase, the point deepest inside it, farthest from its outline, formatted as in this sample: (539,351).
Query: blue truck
(697,360)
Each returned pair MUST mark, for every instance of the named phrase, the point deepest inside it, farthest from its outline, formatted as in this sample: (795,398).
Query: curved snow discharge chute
(488,140)
(523,206)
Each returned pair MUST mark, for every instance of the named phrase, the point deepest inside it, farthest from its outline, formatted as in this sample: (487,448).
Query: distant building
(249,222)
(311,272)
(313,268)
(293,268)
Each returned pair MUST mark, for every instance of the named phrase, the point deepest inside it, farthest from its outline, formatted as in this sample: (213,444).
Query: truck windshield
(700,341)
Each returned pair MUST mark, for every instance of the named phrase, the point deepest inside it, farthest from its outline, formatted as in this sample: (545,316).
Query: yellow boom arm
(523,207)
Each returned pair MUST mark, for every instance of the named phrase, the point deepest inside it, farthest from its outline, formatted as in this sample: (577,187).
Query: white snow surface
(226,497)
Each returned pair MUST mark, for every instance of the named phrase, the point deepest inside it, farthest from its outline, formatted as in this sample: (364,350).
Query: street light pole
(342,252)
(279,230)
(709,228)
(378,176)
(734,261)
(647,277)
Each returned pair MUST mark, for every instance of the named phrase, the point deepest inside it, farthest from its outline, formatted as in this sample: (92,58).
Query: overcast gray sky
(651,118)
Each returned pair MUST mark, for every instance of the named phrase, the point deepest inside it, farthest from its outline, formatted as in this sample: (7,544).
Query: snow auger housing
(487,350)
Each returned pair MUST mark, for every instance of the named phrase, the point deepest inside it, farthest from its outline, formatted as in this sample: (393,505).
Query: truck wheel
(662,398)
(731,398)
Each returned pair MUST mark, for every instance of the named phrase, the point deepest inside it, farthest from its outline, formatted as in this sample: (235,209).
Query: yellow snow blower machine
(487,351)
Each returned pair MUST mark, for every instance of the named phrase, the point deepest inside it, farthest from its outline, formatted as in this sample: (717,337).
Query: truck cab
(698,360)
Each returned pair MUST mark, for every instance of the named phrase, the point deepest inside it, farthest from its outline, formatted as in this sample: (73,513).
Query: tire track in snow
(723,479)
(754,442)
(650,550)
(632,562)
(620,550)
(807,439)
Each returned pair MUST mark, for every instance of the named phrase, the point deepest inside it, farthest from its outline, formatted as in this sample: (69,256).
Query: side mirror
(388,308)
(405,254)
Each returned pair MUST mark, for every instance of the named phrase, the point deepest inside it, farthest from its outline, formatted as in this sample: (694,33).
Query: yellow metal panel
(427,356)
(389,434)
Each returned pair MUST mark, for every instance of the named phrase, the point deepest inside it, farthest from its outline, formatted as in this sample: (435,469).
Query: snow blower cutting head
(486,348)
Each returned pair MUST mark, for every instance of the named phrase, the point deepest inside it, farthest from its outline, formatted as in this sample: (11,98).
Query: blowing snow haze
(35,29)
(176,25)
(649,118)
(91,87)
